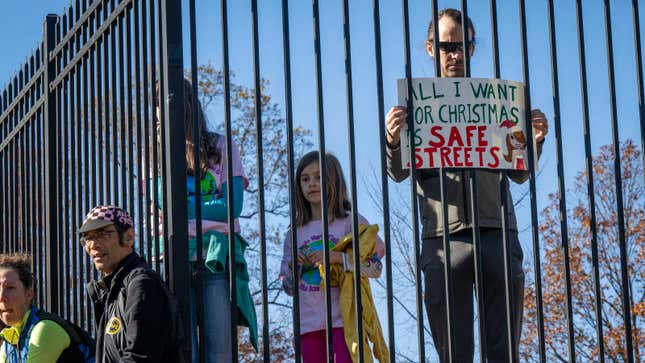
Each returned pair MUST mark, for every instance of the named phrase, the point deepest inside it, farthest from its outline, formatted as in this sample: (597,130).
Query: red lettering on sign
(457,157)
(467,153)
(493,153)
(455,137)
(470,130)
(430,151)
(481,131)
(480,153)
(436,132)
(418,158)
(445,157)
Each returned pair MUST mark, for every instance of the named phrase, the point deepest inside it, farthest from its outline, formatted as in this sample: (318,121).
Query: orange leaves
(579,220)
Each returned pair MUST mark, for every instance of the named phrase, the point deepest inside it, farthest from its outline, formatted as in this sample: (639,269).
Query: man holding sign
(484,133)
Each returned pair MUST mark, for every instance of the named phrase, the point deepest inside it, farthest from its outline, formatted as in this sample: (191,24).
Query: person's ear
(128,238)
(430,48)
(30,295)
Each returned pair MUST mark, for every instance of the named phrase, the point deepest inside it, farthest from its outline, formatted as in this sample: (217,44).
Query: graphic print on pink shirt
(311,279)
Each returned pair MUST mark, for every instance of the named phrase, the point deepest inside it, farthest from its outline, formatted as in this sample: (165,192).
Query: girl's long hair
(209,152)
(338,206)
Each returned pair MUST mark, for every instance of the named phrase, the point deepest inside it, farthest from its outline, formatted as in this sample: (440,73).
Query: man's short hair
(455,15)
(21,263)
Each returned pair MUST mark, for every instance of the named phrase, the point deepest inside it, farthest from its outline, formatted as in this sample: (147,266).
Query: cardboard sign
(465,123)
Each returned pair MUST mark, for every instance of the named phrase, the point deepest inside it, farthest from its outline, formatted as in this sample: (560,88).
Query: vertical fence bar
(87,169)
(4,243)
(142,181)
(504,199)
(257,81)
(323,179)
(531,155)
(627,314)
(173,72)
(151,210)
(92,112)
(14,197)
(122,119)
(590,182)
(197,273)
(42,185)
(448,289)
(8,206)
(23,169)
(67,127)
(639,75)
(155,84)
(3,156)
(3,202)
(509,295)
(130,120)
(352,182)
(291,178)
(12,190)
(101,113)
(123,122)
(31,148)
(11,207)
(564,230)
(60,100)
(81,169)
(384,183)
(75,166)
(229,180)
(91,148)
(83,178)
(51,177)
(474,206)
(23,174)
(163,147)
(115,120)
(413,178)
(109,118)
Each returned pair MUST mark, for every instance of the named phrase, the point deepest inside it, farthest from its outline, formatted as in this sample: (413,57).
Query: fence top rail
(21,83)
(105,27)
(21,95)
(77,25)
(71,24)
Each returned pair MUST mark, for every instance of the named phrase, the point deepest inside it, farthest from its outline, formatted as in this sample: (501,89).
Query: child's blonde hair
(339,205)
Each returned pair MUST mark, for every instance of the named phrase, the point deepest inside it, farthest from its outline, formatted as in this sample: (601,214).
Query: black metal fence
(77,129)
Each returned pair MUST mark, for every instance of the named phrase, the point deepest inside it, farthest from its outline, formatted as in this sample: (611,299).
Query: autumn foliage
(579,219)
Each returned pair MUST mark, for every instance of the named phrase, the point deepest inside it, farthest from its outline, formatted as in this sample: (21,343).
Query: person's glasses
(99,236)
(450,47)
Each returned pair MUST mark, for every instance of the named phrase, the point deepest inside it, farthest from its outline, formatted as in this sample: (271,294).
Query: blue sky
(24,24)
(23,21)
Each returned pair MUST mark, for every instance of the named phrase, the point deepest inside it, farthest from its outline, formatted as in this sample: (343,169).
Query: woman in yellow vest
(31,335)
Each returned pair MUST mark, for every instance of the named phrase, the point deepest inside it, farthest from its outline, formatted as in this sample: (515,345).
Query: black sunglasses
(450,47)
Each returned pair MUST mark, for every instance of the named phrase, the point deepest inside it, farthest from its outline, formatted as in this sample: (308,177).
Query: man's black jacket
(136,318)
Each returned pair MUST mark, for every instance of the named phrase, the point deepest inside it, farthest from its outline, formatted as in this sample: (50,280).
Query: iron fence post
(52,295)
(173,93)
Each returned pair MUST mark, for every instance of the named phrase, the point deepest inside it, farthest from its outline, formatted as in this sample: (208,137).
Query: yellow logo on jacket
(113,326)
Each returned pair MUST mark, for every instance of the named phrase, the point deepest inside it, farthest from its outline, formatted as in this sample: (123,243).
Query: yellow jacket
(345,281)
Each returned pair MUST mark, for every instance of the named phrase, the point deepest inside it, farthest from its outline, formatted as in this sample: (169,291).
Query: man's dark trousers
(463,279)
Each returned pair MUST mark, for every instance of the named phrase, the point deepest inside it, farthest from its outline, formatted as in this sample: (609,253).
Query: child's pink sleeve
(286,274)
(286,256)
(236,160)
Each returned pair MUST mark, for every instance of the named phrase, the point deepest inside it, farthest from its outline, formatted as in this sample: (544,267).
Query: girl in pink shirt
(310,255)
